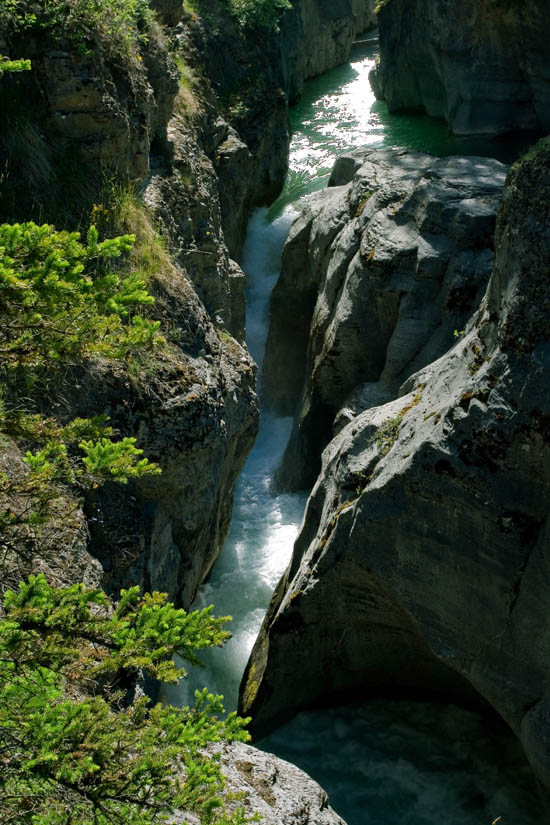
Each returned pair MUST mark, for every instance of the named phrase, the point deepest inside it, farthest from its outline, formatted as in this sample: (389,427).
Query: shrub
(72,752)
(122,24)
(59,299)
(255,14)
(7,65)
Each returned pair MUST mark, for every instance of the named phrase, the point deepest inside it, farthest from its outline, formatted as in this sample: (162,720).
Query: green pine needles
(71,751)
(7,65)
(59,298)
(62,301)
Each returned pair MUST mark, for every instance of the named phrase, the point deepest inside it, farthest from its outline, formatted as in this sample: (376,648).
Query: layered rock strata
(378,274)
(424,558)
(483,65)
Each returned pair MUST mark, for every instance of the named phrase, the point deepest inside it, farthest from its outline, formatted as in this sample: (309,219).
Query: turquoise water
(382,763)
(338,111)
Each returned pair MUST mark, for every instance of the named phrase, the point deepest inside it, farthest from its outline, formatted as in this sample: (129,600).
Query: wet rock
(378,275)
(427,531)
(483,66)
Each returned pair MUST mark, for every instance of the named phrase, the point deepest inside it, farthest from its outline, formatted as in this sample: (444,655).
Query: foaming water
(382,763)
(411,763)
(264,524)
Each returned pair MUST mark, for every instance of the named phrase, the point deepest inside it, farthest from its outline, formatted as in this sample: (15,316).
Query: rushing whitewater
(264,525)
(382,763)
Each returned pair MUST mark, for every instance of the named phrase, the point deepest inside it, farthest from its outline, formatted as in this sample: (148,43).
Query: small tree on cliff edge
(71,751)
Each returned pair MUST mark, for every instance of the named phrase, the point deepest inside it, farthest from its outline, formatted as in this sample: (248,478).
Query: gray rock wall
(424,558)
(377,274)
(317,35)
(483,65)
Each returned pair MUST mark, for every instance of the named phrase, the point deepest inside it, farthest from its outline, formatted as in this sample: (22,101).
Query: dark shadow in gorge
(412,763)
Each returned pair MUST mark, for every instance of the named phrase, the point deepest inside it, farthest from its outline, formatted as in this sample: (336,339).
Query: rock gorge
(422,563)
(202,147)
(202,142)
(417,377)
(423,559)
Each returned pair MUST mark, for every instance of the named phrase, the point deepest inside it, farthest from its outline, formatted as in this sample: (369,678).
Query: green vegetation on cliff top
(259,13)
(250,14)
(122,25)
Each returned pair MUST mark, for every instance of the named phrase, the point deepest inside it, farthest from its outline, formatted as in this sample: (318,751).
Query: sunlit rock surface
(423,563)
(377,276)
(280,793)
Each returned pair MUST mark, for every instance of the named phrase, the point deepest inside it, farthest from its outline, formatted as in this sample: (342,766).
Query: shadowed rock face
(483,65)
(377,275)
(424,557)
(317,35)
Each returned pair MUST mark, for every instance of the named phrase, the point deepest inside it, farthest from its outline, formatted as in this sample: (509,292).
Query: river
(382,763)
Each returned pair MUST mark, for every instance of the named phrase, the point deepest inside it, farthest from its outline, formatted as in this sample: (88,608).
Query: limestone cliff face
(424,558)
(480,64)
(377,274)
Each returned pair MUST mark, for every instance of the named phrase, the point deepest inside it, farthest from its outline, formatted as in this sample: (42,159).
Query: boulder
(378,274)
(423,563)
(279,792)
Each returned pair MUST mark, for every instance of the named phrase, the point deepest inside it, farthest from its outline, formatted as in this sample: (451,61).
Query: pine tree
(71,750)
